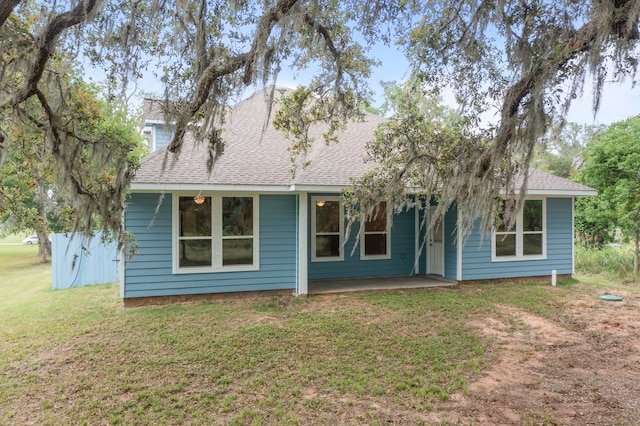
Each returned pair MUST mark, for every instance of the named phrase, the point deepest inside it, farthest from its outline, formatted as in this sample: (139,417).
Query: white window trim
(152,131)
(216,237)
(314,200)
(519,238)
(363,256)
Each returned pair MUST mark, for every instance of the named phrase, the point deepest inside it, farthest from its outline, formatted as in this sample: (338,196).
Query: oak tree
(526,59)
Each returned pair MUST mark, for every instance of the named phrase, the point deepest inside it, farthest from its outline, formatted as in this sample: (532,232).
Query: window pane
(532,244)
(378,222)
(532,215)
(375,244)
(438,233)
(237,252)
(237,216)
(506,245)
(327,245)
(195,219)
(328,217)
(195,253)
(503,224)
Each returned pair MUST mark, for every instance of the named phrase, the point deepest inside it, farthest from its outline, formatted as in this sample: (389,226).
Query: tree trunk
(44,250)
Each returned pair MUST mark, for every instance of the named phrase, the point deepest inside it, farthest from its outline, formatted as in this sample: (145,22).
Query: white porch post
(416,247)
(573,235)
(458,246)
(303,244)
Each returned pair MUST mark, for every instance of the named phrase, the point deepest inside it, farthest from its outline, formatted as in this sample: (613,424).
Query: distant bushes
(611,261)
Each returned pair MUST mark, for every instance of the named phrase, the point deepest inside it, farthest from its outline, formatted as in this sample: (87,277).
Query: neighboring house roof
(153,110)
(254,160)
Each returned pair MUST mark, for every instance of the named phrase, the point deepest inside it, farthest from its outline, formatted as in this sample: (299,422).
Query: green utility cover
(611,298)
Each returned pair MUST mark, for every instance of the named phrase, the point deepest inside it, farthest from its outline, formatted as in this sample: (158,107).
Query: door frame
(430,249)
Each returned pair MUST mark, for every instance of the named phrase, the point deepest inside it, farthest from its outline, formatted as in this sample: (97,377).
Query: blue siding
(476,256)
(150,272)
(402,244)
(164,133)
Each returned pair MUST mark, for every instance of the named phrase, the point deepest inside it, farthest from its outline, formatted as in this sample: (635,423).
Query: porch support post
(302,287)
(416,248)
(122,263)
(573,235)
(458,245)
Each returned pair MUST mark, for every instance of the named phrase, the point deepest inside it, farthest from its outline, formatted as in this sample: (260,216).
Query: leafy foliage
(101,142)
(422,153)
(612,166)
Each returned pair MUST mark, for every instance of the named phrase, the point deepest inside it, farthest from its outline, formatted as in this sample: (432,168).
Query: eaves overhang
(179,187)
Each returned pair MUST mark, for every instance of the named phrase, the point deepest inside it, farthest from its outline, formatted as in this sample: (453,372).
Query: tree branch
(6,8)
(53,121)
(581,42)
(328,41)
(45,45)
(216,70)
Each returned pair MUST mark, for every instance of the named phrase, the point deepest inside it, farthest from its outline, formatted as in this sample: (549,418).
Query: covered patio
(380,283)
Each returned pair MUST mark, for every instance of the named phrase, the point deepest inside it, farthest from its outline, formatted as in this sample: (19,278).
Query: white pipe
(554,277)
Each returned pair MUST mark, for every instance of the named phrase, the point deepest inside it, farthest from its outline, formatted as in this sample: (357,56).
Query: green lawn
(78,357)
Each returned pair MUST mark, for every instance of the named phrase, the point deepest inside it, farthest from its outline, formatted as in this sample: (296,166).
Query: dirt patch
(584,372)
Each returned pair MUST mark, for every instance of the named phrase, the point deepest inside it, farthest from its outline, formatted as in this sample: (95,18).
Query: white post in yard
(554,276)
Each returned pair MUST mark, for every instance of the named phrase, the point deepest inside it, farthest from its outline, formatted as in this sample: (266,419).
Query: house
(249,225)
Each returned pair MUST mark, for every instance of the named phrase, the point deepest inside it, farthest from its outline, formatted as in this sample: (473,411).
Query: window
(327,225)
(149,136)
(195,238)
(527,238)
(219,233)
(375,238)
(237,231)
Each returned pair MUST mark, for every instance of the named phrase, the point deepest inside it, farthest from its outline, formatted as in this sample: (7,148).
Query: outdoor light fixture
(320,203)
(198,199)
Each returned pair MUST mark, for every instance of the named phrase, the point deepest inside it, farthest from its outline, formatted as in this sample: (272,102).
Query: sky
(619,101)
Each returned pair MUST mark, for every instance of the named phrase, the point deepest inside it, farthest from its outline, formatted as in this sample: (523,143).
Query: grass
(611,262)
(78,357)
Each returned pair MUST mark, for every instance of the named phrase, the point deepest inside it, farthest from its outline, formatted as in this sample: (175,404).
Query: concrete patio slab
(381,283)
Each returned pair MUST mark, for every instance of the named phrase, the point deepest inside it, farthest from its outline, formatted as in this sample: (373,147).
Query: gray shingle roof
(248,158)
(255,159)
(544,183)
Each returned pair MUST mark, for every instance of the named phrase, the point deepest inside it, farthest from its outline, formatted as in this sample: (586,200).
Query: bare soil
(585,371)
